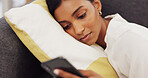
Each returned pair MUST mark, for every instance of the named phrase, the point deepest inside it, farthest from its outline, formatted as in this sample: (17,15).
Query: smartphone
(60,63)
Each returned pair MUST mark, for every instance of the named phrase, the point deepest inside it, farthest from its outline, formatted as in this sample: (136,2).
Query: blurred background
(5,5)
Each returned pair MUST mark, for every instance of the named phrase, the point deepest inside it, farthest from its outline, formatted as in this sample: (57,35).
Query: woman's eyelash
(67,27)
(82,16)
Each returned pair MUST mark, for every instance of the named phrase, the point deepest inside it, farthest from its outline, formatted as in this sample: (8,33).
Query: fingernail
(56,71)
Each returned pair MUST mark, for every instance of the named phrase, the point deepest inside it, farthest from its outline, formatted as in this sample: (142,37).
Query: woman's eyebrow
(76,10)
(72,14)
(62,21)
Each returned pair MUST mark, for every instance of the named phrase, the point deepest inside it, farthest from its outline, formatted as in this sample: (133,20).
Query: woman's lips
(85,38)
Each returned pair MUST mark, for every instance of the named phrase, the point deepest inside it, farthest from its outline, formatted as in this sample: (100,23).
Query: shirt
(127,47)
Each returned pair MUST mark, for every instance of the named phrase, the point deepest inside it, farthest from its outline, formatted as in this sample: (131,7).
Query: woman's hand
(86,73)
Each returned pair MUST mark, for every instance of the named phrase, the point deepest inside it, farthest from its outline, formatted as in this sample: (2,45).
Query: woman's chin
(89,43)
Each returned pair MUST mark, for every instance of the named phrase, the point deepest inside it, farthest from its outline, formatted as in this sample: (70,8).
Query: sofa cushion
(16,61)
(132,10)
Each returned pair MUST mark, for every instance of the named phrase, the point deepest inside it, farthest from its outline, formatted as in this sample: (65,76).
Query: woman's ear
(97,4)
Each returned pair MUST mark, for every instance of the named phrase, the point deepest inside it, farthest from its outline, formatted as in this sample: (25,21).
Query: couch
(16,61)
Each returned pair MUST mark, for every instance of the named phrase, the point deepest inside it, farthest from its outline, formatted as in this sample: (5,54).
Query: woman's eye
(82,16)
(67,27)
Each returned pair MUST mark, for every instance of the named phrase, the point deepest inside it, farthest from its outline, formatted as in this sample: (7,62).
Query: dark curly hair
(54,4)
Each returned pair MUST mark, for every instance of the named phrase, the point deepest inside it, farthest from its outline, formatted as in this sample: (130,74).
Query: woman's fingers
(90,73)
(64,74)
(87,72)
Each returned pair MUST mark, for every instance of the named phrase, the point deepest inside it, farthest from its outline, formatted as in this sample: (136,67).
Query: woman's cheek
(72,33)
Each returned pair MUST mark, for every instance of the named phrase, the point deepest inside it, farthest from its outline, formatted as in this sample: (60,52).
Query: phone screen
(60,63)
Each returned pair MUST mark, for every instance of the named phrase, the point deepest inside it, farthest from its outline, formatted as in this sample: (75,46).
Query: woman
(124,43)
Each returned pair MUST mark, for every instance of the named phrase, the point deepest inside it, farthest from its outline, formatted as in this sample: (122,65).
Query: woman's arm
(131,55)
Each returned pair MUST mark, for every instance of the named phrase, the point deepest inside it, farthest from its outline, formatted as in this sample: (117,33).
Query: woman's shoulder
(118,27)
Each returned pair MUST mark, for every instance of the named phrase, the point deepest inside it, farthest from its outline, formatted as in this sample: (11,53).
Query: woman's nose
(79,28)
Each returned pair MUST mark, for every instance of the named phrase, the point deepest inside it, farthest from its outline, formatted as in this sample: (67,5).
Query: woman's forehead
(69,6)
(72,3)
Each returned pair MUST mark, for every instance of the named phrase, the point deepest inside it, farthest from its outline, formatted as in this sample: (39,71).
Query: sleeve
(133,55)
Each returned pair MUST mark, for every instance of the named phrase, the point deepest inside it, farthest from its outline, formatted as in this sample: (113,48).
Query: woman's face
(80,19)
